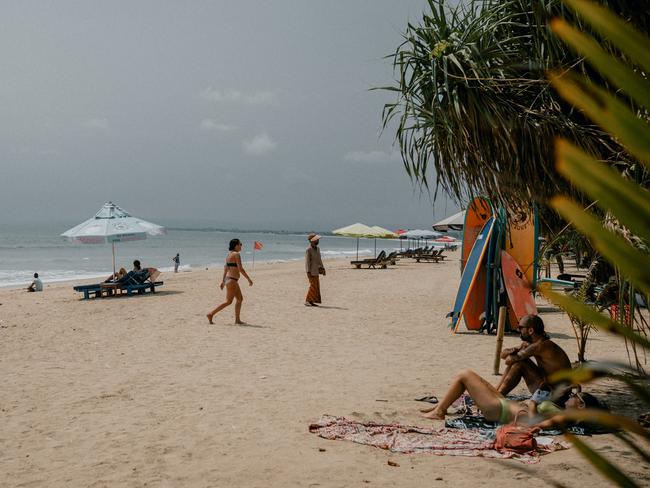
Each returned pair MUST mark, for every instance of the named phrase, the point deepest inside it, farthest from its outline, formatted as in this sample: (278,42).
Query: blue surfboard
(493,269)
(472,268)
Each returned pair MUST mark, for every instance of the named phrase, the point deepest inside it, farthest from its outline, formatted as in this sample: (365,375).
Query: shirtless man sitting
(549,357)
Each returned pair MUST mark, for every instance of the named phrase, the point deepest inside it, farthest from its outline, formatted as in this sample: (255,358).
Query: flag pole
(253,257)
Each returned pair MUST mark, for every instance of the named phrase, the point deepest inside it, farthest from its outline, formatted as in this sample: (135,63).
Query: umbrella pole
(113,246)
(357,249)
(375,247)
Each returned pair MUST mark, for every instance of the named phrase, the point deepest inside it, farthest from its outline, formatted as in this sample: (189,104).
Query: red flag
(258,246)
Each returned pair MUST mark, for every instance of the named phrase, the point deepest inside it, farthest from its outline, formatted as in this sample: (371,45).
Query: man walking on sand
(314,267)
(177,262)
(549,357)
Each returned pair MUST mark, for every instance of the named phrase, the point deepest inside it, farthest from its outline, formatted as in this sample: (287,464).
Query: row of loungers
(427,255)
(381,261)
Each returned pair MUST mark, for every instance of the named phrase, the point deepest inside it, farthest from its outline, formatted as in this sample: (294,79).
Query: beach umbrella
(357,230)
(383,234)
(422,234)
(455,222)
(110,225)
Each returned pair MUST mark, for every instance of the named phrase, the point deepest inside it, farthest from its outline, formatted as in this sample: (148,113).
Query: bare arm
(240,266)
(555,421)
(511,351)
(223,278)
(526,351)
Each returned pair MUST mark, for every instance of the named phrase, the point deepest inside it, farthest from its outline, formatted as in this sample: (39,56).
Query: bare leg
(526,370)
(239,298)
(485,396)
(230,296)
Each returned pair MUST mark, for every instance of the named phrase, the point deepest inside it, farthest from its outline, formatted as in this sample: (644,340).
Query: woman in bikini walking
(231,274)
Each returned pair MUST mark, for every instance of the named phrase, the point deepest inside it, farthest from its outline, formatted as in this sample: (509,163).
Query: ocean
(25,250)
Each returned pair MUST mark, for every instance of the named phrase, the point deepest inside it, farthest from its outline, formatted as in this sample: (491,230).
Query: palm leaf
(591,315)
(632,263)
(608,469)
(607,111)
(618,73)
(621,34)
(603,418)
(629,203)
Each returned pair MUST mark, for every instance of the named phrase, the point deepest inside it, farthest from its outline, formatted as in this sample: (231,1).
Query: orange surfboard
(521,242)
(520,295)
(477,214)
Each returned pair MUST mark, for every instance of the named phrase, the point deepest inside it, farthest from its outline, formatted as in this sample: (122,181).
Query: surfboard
(520,297)
(477,214)
(521,241)
(472,274)
(493,271)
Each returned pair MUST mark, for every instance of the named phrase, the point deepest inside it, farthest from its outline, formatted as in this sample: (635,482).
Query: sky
(230,114)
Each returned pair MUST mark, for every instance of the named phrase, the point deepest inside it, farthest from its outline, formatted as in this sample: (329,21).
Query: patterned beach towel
(411,439)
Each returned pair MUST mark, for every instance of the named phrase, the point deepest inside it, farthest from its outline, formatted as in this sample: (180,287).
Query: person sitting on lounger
(496,408)
(549,358)
(136,276)
(116,276)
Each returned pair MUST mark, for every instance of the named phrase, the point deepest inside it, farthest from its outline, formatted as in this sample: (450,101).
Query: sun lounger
(130,285)
(89,290)
(392,258)
(380,260)
(432,257)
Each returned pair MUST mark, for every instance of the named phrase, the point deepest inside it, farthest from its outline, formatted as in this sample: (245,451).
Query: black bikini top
(231,265)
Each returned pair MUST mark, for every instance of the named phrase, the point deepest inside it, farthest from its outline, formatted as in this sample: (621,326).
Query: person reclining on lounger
(549,358)
(496,408)
(136,276)
(115,277)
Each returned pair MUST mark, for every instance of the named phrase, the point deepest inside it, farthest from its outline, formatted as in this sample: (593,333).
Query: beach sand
(142,391)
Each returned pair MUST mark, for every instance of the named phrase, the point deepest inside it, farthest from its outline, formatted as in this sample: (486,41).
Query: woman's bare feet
(434,414)
(210,318)
(239,322)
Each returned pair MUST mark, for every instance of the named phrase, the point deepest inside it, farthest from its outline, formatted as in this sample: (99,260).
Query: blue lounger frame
(96,289)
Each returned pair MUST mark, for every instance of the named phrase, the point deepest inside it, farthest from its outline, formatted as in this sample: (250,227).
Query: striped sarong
(313,294)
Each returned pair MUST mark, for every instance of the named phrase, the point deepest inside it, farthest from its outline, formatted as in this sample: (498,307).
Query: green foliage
(474,102)
(626,202)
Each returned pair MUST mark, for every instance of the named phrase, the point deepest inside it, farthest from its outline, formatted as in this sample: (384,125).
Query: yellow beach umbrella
(383,234)
(357,230)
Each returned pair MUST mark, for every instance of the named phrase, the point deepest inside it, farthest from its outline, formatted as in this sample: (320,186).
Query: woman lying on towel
(496,408)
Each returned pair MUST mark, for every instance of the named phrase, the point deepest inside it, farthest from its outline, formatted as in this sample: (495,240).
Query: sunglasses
(576,394)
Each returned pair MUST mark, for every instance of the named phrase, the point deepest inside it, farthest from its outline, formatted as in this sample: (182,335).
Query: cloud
(259,145)
(97,123)
(372,156)
(235,96)
(211,125)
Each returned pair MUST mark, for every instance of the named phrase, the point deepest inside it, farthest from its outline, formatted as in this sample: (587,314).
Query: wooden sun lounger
(89,290)
(380,260)
(114,289)
(433,257)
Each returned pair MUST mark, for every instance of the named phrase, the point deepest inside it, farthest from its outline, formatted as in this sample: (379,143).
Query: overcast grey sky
(253,114)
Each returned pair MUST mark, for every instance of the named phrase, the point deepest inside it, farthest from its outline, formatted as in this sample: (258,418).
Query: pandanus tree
(475,106)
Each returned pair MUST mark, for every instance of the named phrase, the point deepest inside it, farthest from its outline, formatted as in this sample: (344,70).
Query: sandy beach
(142,391)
